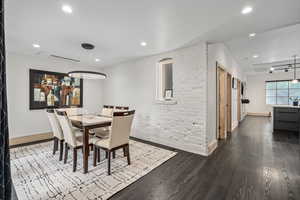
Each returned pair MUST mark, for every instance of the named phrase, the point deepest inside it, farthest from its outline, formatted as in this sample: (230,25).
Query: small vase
(295,103)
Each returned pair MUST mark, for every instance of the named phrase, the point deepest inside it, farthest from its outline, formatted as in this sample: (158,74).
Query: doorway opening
(224,102)
(221,103)
(229,103)
(238,101)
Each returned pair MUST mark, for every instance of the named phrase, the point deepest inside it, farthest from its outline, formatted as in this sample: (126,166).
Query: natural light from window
(282,92)
(164,90)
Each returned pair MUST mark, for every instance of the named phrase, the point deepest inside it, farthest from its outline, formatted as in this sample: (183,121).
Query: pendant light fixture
(289,67)
(87,75)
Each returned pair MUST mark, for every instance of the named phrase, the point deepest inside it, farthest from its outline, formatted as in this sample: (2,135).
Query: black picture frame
(33,105)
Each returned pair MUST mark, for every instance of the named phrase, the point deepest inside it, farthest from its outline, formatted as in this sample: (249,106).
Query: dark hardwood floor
(252,164)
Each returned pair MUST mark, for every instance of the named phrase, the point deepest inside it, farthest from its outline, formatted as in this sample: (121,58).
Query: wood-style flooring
(252,164)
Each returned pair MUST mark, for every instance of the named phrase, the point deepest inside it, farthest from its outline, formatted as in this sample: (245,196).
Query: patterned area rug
(37,174)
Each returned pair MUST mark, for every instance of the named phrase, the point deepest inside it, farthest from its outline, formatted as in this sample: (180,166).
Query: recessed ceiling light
(252,35)
(143,44)
(36,45)
(255,56)
(247,10)
(97,60)
(67,9)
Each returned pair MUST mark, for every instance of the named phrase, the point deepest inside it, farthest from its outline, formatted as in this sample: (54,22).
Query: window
(164,90)
(281,92)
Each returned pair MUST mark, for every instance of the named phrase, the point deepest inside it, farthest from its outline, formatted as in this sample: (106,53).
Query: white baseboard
(263,114)
(212,147)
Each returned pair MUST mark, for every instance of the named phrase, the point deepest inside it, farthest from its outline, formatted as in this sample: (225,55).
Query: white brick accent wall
(182,125)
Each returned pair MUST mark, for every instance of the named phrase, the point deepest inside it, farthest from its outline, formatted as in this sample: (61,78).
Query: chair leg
(92,148)
(66,153)
(108,162)
(106,154)
(124,151)
(74,159)
(98,153)
(114,154)
(95,156)
(55,145)
(61,150)
(127,153)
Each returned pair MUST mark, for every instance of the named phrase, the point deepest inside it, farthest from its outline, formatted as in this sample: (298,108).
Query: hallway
(252,164)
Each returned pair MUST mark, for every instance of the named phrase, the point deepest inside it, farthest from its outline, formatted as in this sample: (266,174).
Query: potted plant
(295,100)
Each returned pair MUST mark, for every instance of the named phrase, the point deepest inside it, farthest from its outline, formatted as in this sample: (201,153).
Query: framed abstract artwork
(54,90)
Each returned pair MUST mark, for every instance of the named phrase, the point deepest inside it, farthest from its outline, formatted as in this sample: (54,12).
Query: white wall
(189,125)
(23,121)
(221,54)
(256,90)
(182,125)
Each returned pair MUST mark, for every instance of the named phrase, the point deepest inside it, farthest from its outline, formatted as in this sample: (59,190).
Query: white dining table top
(90,119)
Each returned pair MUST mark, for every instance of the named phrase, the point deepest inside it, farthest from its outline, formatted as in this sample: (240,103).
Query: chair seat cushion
(78,133)
(102,132)
(60,137)
(101,142)
(79,140)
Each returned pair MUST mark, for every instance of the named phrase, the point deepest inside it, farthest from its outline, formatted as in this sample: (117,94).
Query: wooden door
(229,103)
(239,100)
(222,77)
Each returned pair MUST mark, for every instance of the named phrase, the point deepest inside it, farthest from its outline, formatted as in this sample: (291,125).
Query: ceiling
(117,28)
(273,47)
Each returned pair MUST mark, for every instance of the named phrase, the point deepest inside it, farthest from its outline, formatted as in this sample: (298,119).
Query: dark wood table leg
(85,150)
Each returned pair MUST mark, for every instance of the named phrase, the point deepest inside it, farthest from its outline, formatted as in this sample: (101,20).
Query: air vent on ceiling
(64,58)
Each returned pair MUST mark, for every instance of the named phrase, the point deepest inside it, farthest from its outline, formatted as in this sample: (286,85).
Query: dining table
(87,122)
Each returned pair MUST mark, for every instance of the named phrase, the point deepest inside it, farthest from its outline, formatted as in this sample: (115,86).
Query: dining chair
(57,132)
(107,110)
(75,111)
(121,108)
(118,137)
(72,140)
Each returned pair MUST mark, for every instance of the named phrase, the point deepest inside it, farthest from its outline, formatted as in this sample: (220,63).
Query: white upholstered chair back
(121,128)
(107,111)
(75,111)
(67,128)
(121,108)
(55,125)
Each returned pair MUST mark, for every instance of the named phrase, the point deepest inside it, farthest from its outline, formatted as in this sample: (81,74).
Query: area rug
(37,174)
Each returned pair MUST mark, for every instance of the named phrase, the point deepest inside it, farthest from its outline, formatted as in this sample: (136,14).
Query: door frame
(238,100)
(220,69)
(229,102)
